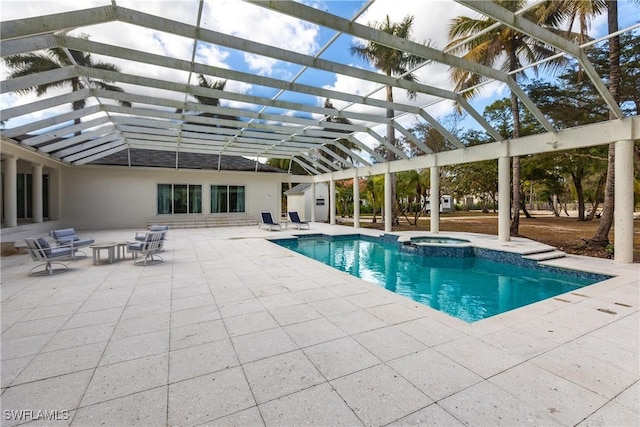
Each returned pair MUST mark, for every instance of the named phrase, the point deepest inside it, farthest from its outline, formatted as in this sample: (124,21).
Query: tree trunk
(577,183)
(515,111)
(601,237)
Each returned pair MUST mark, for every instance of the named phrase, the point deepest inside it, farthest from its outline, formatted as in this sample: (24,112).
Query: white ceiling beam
(106,153)
(411,137)
(64,131)
(44,104)
(85,136)
(50,121)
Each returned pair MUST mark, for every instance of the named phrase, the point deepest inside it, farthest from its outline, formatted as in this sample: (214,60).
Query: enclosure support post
(332,201)
(356,199)
(37,193)
(10,191)
(435,199)
(388,212)
(623,205)
(313,202)
(504,199)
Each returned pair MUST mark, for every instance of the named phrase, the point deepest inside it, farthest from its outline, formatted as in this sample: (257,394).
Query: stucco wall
(113,197)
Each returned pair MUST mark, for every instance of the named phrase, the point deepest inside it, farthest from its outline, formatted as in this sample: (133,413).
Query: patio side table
(97,247)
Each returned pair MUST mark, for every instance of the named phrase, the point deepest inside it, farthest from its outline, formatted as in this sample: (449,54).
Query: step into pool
(469,287)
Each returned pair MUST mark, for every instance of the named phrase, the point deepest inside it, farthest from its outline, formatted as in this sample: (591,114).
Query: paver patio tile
(205,300)
(197,333)
(432,415)
(141,325)
(29,328)
(10,369)
(236,308)
(434,374)
(314,332)
(569,403)
(486,404)
(630,397)
(294,314)
(389,343)
(94,318)
(143,310)
(120,350)
(60,362)
(248,417)
(354,322)
(613,414)
(318,405)
(125,378)
(60,394)
(259,345)
(249,323)
(340,357)
(378,395)
(584,368)
(478,356)
(329,307)
(19,347)
(46,311)
(145,408)
(429,331)
(209,397)
(394,313)
(280,375)
(201,359)
(194,315)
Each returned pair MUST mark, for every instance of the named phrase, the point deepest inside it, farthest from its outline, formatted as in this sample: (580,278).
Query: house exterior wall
(97,197)
(322,212)
(296,202)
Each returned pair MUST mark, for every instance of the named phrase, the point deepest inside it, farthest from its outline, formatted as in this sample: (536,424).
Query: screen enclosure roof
(271,88)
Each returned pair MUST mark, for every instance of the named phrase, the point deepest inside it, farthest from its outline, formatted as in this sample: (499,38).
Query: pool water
(467,288)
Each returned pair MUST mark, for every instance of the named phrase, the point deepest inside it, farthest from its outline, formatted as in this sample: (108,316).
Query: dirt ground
(565,233)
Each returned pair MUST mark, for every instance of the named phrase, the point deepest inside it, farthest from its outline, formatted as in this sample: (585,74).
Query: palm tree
(601,236)
(206,83)
(500,47)
(393,63)
(347,143)
(50,59)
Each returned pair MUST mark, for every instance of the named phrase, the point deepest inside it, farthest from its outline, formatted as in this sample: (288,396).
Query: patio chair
(42,252)
(295,220)
(69,237)
(149,247)
(267,220)
(140,236)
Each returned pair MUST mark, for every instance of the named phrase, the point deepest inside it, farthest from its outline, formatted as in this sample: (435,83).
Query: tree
(392,62)
(54,58)
(601,236)
(477,42)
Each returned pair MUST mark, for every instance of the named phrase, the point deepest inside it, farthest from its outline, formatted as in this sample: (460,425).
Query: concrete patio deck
(234,330)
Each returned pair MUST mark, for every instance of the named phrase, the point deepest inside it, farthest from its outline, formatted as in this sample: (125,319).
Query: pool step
(546,255)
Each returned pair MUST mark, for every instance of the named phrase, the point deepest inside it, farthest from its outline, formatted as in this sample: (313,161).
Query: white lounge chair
(295,220)
(42,252)
(267,221)
(149,247)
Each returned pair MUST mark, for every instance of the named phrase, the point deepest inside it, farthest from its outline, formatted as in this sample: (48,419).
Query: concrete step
(546,255)
(205,222)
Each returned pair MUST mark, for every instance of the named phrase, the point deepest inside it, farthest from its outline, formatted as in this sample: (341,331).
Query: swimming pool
(469,288)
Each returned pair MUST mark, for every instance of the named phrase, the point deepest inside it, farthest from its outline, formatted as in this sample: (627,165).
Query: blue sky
(248,21)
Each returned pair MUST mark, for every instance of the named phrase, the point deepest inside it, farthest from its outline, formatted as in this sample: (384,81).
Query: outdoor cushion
(69,235)
(46,247)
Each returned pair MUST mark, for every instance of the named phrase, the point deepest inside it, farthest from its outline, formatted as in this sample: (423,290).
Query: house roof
(298,189)
(283,118)
(182,160)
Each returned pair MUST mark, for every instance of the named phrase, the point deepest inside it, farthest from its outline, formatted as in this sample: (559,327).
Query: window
(179,198)
(227,198)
